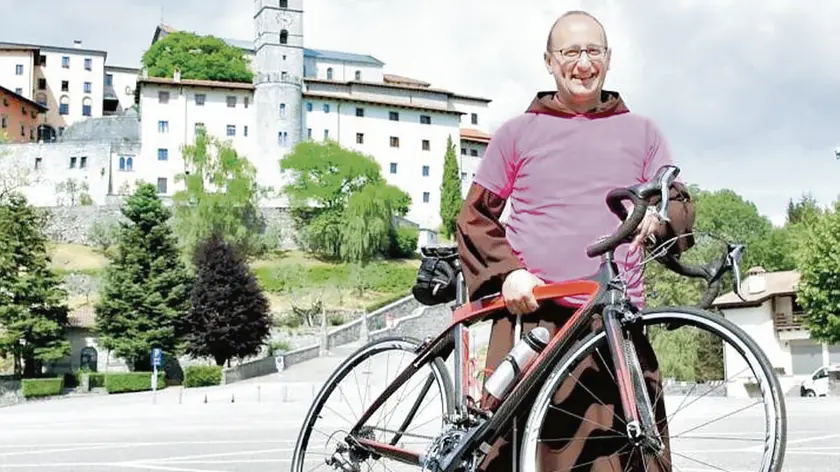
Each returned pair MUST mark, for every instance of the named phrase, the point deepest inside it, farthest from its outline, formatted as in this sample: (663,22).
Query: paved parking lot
(257,432)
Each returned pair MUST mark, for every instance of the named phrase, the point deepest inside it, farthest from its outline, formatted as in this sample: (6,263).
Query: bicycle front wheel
(710,364)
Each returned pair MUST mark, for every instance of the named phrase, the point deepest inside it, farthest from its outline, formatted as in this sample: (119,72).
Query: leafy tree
(229,314)
(146,289)
(32,306)
(451,200)
(72,192)
(221,194)
(198,57)
(819,283)
(354,206)
(806,210)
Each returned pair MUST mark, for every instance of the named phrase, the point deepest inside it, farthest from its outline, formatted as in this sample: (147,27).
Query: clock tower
(278,68)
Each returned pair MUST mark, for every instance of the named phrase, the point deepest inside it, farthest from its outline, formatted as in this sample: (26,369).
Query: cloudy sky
(745,91)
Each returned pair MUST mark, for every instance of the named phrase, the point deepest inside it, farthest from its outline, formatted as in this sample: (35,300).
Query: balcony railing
(789,321)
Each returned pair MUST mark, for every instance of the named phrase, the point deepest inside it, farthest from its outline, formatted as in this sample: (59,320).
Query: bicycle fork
(635,402)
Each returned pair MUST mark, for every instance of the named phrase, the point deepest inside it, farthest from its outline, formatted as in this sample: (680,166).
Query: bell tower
(278,67)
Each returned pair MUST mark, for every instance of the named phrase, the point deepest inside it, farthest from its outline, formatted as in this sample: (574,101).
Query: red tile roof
(471,134)
(197,83)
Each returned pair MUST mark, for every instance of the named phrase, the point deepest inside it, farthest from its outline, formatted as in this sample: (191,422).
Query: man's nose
(583,60)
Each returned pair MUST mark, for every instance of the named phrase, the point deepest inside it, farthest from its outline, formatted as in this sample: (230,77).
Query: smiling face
(578,58)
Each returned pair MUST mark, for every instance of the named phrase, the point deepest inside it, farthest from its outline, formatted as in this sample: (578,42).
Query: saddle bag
(436,281)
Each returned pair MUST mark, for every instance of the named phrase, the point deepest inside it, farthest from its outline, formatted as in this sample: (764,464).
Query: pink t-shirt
(556,172)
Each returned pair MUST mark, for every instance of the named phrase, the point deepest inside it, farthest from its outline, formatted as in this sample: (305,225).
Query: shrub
(34,388)
(202,376)
(122,382)
(403,242)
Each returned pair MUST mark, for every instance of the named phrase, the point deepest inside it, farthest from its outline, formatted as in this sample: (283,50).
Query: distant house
(84,350)
(771,315)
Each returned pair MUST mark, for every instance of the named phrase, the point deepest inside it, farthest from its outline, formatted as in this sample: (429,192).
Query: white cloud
(744,90)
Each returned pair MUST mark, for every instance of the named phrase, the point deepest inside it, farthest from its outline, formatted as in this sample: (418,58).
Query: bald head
(569,20)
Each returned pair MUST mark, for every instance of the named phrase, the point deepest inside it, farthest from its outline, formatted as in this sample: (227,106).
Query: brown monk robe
(487,258)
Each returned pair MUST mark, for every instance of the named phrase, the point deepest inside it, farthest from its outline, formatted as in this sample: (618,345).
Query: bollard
(259,394)
(180,395)
(231,399)
(205,398)
(284,394)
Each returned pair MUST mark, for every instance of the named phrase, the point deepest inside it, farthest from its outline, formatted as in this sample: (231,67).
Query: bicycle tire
(717,324)
(405,343)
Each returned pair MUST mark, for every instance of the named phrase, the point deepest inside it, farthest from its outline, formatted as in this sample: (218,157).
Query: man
(554,165)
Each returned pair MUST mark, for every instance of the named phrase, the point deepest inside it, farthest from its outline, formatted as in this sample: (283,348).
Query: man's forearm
(486,256)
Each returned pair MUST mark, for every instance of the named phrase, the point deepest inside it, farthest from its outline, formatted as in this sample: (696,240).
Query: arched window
(41,98)
(87,106)
(88,358)
(129,164)
(358,75)
(122,163)
(284,37)
(64,105)
(329,73)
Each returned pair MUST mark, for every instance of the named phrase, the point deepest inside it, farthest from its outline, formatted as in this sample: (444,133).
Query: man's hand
(518,292)
(647,228)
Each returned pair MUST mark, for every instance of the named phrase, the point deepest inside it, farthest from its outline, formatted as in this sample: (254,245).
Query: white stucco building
(771,316)
(298,93)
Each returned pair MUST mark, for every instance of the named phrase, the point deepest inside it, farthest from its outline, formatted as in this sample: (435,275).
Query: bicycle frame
(605,295)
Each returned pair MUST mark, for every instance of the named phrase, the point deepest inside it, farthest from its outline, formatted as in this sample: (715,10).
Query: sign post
(157,360)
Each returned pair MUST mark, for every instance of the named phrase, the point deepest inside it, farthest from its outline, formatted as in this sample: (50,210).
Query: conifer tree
(33,314)
(147,286)
(229,315)
(451,200)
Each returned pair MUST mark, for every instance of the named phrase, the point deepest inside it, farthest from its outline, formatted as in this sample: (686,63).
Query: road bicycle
(462,438)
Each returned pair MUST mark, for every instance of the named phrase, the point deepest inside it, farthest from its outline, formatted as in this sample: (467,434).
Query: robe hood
(545,103)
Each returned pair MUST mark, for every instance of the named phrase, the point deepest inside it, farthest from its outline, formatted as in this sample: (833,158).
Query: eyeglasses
(574,52)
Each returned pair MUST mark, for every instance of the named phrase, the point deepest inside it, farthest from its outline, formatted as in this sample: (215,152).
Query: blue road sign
(157,357)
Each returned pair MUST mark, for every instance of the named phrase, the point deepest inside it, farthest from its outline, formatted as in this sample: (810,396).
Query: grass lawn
(286,277)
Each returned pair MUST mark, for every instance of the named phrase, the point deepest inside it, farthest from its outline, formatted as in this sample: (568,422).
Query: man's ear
(547,61)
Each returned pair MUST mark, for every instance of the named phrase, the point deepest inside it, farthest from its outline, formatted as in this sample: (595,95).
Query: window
(463,175)
(395,142)
(245,102)
(163,97)
(109,79)
(425,197)
(326,108)
(82,162)
(231,102)
(329,73)
(425,171)
(126,163)
(284,4)
(326,134)
(425,120)
(474,152)
(360,138)
(358,75)
(65,85)
(87,105)
(42,84)
(360,112)
(393,167)
(282,138)
(163,154)
(199,99)
(19,91)
(282,111)
(474,118)
(72,162)
(23,130)
(425,145)
(88,63)
(245,131)
(161,185)
(284,37)
(309,133)
(463,151)
(163,127)
(231,130)
(38,161)
(42,60)
(19,69)
(393,116)
(308,106)
(199,128)
(64,105)
(65,62)
(284,76)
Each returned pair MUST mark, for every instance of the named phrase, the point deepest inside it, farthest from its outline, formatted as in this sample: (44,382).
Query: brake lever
(665,182)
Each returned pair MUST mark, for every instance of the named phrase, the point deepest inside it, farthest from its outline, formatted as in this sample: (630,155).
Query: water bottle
(512,366)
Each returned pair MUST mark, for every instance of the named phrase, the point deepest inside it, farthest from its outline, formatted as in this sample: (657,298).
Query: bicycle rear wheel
(727,387)
(408,413)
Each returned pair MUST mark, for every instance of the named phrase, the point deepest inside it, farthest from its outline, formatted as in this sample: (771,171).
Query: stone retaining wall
(10,393)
